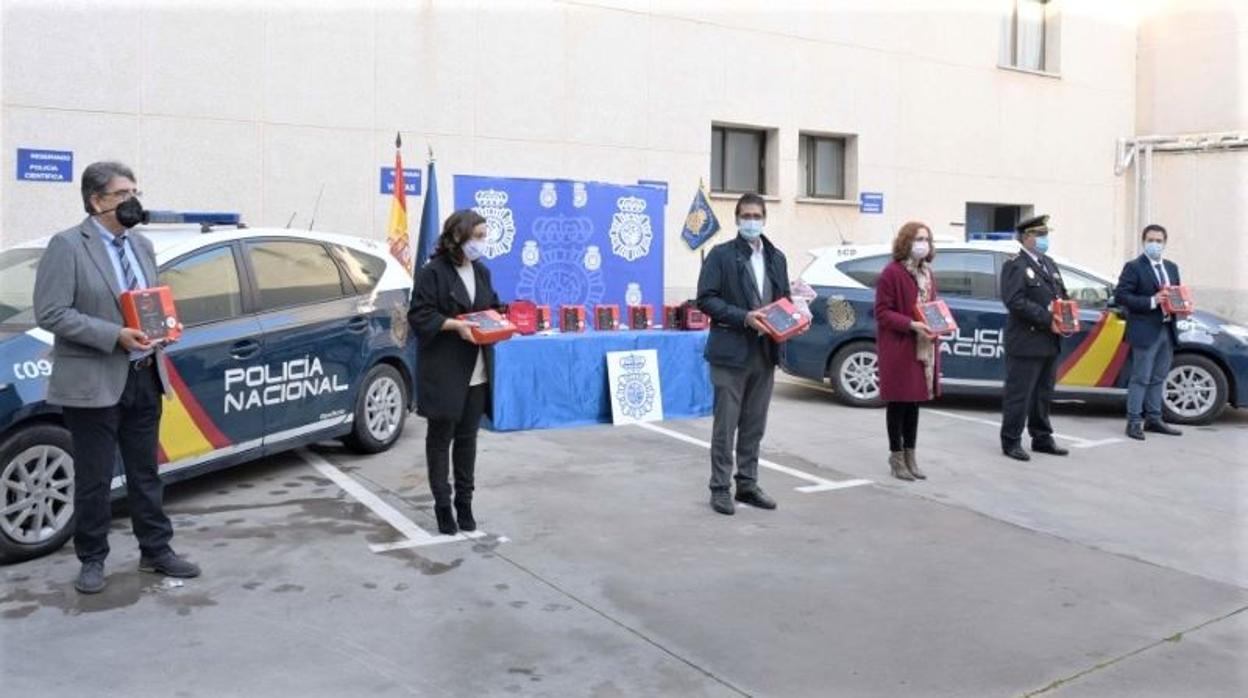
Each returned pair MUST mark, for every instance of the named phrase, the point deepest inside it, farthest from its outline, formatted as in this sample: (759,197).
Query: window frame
(245,289)
(1050,32)
(345,285)
(808,149)
(719,132)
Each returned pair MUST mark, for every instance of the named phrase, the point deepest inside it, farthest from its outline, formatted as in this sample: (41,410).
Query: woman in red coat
(909,359)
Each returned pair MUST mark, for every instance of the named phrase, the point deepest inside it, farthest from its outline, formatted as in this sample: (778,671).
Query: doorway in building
(985,221)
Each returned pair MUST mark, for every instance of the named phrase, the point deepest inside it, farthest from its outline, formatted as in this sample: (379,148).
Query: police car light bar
(1000,235)
(202,218)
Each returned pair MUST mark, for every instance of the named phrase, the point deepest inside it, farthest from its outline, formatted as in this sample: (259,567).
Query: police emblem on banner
(632,296)
(548,196)
(529,254)
(562,273)
(630,229)
(593,258)
(501,227)
(841,314)
(634,394)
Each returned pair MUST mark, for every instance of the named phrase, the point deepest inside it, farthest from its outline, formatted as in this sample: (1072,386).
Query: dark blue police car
(290,338)
(1210,368)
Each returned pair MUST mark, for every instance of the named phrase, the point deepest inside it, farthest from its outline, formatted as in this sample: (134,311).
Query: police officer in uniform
(1029,284)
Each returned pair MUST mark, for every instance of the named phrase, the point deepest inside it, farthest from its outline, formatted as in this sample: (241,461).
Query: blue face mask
(751,229)
(1042,244)
(1154,249)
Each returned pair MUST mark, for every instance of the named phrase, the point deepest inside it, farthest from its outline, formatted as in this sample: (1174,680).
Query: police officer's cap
(1038,225)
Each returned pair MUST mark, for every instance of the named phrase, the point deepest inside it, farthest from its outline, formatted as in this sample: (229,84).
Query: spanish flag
(396,231)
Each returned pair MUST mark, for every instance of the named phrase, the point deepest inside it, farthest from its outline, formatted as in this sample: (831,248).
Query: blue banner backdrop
(561,242)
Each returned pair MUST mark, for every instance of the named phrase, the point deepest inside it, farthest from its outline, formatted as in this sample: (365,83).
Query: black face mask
(130,213)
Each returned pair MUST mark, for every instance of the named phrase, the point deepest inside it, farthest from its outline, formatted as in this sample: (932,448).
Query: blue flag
(429,220)
(701,222)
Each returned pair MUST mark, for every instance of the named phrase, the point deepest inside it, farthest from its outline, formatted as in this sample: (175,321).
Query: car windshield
(17,287)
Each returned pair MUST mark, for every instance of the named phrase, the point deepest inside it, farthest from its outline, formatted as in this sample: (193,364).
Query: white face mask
(919,249)
(474,249)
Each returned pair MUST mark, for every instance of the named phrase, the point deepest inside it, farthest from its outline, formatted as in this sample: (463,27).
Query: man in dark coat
(737,278)
(1150,332)
(1030,282)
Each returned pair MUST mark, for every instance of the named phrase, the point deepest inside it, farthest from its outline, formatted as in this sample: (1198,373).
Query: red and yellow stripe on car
(1098,359)
(186,430)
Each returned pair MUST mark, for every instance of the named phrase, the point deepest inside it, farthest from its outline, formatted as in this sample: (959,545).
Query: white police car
(1210,368)
(290,337)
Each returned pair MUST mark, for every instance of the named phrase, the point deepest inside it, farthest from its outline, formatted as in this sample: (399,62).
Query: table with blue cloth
(560,380)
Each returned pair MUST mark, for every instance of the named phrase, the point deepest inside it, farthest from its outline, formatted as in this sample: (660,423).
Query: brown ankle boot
(897,462)
(912,465)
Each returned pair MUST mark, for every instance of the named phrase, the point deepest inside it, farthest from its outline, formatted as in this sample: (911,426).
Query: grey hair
(96,177)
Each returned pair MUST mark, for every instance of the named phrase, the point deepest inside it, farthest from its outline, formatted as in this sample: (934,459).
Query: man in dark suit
(1029,284)
(107,378)
(1150,332)
(737,278)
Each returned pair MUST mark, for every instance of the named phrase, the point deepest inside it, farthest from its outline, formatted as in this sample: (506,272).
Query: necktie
(1161,274)
(132,281)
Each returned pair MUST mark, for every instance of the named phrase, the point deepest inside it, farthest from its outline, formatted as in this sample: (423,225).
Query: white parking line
(415,536)
(820,484)
(1075,441)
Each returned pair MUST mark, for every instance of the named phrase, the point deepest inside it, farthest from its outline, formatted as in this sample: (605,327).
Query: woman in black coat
(453,372)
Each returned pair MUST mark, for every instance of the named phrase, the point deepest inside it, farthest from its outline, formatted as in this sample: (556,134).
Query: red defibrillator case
(151,311)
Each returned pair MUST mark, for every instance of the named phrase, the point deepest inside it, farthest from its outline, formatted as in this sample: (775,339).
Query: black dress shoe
(722,503)
(170,565)
(1162,428)
(756,497)
(1049,447)
(1016,452)
(446,521)
(90,578)
(1135,430)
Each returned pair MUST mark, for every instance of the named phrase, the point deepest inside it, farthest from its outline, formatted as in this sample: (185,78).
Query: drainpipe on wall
(1128,152)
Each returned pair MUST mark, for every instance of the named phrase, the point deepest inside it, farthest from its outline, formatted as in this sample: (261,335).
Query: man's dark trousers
(1028,394)
(132,426)
(742,396)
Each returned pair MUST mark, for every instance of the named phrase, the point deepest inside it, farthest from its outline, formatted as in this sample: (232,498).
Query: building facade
(964,114)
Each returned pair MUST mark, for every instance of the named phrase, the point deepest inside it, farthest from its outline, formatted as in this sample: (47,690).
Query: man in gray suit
(107,378)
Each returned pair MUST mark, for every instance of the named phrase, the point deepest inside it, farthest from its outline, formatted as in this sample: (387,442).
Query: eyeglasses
(124,193)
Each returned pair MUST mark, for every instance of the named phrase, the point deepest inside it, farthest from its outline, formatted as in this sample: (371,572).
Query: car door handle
(245,349)
(359,323)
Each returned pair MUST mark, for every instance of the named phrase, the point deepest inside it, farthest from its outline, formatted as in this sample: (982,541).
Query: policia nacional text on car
(107,378)
(1029,284)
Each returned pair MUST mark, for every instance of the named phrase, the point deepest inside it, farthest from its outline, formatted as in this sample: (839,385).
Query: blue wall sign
(45,165)
(871,202)
(560,242)
(411,180)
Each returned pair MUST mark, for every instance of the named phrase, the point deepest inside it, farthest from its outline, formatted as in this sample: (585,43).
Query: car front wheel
(36,492)
(380,410)
(1196,390)
(855,376)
